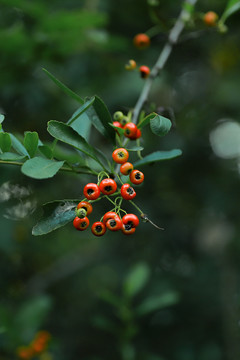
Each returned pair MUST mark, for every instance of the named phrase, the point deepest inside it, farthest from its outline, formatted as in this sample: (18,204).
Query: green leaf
(9,156)
(46,151)
(2,117)
(232,7)
(119,129)
(135,148)
(160,125)
(5,142)
(154,303)
(56,214)
(18,146)
(158,156)
(81,110)
(69,92)
(66,134)
(41,168)
(30,142)
(136,279)
(100,117)
(80,120)
(146,120)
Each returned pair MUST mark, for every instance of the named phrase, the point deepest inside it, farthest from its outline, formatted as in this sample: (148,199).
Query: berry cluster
(131,130)
(36,347)
(107,186)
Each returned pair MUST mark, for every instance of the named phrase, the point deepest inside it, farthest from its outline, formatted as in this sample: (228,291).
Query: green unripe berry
(124,120)
(81,213)
(118,115)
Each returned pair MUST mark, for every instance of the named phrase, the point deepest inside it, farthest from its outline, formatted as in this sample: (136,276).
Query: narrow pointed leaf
(66,134)
(76,115)
(30,142)
(160,125)
(136,279)
(2,117)
(154,303)
(41,168)
(232,7)
(55,215)
(146,120)
(5,142)
(158,156)
(69,92)
(18,146)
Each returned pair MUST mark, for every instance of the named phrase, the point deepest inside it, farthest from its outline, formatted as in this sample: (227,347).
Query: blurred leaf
(69,92)
(66,134)
(111,298)
(160,125)
(56,214)
(136,279)
(18,146)
(32,314)
(41,168)
(9,156)
(104,324)
(2,117)
(100,117)
(30,142)
(146,120)
(232,7)
(158,156)
(5,142)
(135,148)
(157,302)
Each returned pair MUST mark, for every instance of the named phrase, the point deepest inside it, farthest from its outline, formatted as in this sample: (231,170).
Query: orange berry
(144,71)
(210,18)
(141,41)
(131,65)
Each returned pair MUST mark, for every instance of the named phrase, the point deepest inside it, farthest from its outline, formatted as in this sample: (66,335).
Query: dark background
(74,285)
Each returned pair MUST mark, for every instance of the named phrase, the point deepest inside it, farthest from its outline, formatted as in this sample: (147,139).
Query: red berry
(126,168)
(120,155)
(98,228)
(130,130)
(131,220)
(114,224)
(109,215)
(91,191)
(136,177)
(210,18)
(141,41)
(85,205)
(128,230)
(117,123)
(127,192)
(138,134)
(144,71)
(81,224)
(108,186)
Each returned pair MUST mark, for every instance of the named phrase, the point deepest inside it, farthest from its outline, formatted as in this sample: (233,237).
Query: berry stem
(133,203)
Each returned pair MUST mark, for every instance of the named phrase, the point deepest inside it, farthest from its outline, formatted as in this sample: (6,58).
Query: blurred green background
(169,295)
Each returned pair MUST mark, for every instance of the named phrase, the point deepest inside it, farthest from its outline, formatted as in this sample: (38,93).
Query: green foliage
(160,125)
(5,142)
(30,142)
(232,7)
(136,279)
(158,156)
(154,303)
(40,168)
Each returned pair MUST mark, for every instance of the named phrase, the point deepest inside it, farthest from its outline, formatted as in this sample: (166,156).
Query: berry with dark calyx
(114,224)
(131,220)
(136,177)
(210,18)
(128,192)
(81,224)
(91,191)
(130,130)
(110,215)
(125,120)
(128,229)
(117,116)
(144,71)
(86,206)
(98,228)
(120,155)
(108,186)
(141,41)
(126,168)
(131,65)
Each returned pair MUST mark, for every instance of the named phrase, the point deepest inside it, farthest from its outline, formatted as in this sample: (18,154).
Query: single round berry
(110,215)
(81,224)
(136,177)
(125,120)
(118,115)
(128,192)
(130,130)
(130,220)
(126,168)
(118,124)
(81,213)
(98,228)
(91,191)
(128,229)
(138,134)
(114,224)
(210,18)
(131,65)
(108,186)
(85,205)
(144,71)
(141,41)
(120,155)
